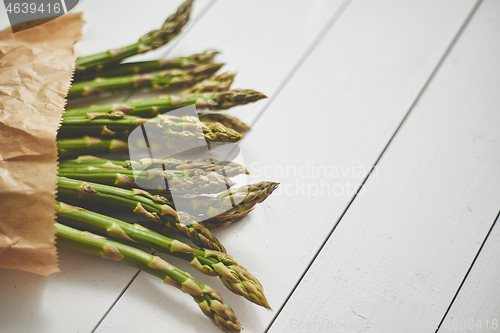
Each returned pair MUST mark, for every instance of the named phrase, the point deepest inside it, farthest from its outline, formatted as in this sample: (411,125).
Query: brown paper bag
(36,67)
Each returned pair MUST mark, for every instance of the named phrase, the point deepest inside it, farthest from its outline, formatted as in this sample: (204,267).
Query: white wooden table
(382,126)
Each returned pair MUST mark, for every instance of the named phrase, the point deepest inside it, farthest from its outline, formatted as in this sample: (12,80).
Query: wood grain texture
(398,256)
(337,112)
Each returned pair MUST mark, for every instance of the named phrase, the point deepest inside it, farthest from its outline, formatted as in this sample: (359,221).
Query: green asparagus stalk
(232,204)
(189,181)
(218,83)
(236,278)
(226,120)
(169,125)
(211,223)
(209,301)
(89,145)
(167,79)
(91,161)
(156,208)
(139,67)
(228,168)
(152,40)
(67,147)
(153,107)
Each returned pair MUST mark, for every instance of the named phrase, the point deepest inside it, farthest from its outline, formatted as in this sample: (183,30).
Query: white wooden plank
(4,19)
(396,259)
(477,301)
(476,307)
(338,111)
(77,298)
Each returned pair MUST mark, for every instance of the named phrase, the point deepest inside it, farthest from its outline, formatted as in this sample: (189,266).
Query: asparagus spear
(226,120)
(236,278)
(152,40)
(130,68)
(155,207)
(218,83)
(153,107)
(228,168)
(232,205)
(190,181)
(214,132)
(209,301)
(94,161)
(170,126)
(173,78)
(89,145)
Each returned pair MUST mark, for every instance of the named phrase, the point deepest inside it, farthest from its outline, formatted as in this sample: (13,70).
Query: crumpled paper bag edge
(52,261)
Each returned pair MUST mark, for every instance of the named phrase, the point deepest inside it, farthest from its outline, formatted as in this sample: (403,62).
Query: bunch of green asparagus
(91,185)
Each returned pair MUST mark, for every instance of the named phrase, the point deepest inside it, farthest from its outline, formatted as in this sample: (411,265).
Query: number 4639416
(475,324)
(25,7)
